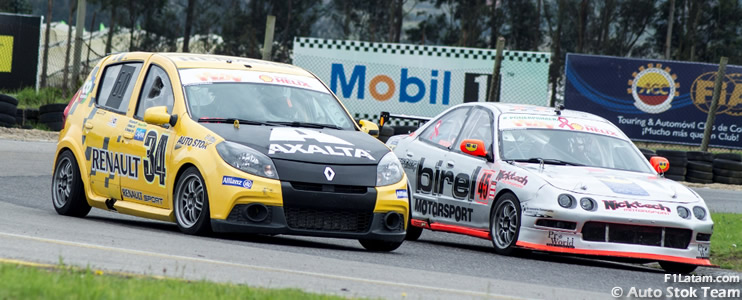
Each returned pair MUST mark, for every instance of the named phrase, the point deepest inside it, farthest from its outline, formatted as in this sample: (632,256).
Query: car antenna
(236,124)
(558,109)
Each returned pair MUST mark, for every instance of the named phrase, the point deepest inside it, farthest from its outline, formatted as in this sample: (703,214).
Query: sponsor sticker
(236,181)
(139,134)
(402,194)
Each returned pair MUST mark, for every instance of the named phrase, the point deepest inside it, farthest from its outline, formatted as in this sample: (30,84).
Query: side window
(444,131)
(478,126)
(156,91)
(118,83)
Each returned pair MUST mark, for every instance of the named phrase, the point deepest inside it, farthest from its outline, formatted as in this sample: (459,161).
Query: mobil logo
(382,87)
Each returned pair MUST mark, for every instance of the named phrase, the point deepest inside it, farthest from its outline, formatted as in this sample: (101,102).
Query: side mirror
(158,116)
(473,147)
(660,164)
(369,127)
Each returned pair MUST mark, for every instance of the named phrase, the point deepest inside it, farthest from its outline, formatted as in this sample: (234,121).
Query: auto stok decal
(236,181)
(301,136)
(138,195)
(558,239)
(432,181)
(449,211)
(636,206)
(189,141)
(154,162)
(511,178)
(114,163)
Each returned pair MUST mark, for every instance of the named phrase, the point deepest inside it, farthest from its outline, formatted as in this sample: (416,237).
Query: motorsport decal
(236,181)
(138,195)
(537,212)
(511,178)
(486,187)
(636,206)
(304,135)
(407,163)
(114,163)
(522,121)
(207,76)
(402,194)
(449,211)
(558,239)
(154,163)
(653,88)
(189,141)
(623,186)
(432,182)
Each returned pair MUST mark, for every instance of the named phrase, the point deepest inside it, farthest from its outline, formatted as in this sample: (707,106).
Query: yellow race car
(226,144)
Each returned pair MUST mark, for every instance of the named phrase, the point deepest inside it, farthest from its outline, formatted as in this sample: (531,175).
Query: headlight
(587,203)
(565,200)
(699,212)
(389,170)
(683,212)
(247,159)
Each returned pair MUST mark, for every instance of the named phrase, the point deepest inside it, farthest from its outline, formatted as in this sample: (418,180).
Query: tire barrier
(8,107)
(701,167)
(52,115)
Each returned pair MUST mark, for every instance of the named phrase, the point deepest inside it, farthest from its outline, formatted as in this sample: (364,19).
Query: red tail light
(75,98)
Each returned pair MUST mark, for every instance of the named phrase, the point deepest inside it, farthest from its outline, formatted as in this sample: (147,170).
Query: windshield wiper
(304,124)
(232,120)
(549,161)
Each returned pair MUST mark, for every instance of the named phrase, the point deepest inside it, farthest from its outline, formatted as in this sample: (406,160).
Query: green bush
(28,98)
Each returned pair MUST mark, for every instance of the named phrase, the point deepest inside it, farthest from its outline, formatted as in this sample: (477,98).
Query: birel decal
(306,135)
(636,206)
(114,163)
(432,181)
(206,76)
(236,181)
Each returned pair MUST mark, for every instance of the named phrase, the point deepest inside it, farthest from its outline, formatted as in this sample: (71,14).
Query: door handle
(409,154)
(88,125)
(128,135)
(450,164)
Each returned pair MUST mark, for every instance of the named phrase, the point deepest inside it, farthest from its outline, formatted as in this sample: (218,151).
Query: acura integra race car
(552,180)
(226,144)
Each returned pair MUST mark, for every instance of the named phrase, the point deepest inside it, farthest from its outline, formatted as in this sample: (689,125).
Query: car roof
(528,109)
(211,61)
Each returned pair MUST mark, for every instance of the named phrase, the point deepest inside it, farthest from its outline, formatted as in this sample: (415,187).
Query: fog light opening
(392,221)
(256,212)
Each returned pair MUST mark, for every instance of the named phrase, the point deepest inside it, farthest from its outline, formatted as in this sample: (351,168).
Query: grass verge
(62,282)
(726,242)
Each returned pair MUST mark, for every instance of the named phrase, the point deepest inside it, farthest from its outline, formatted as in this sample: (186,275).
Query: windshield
(572,148)
(265,103)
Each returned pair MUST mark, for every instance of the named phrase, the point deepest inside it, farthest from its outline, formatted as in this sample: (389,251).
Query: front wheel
(677,268)
(68,193)
(505,224)
(380,246)
(191,203)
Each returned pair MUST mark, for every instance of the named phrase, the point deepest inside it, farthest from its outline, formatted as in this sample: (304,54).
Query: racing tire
(677,268)
(7,120)
(68,193)
(699,174)
(675,177)
(55,126)
(676,171)
(727,164)
(646,151)
(649,156)
(670,154)
(413,232)
(678,162)
(7,108)
(379,246)
(700,156)
(191,203)
(729,156)
(51,117)
(728,180)
(8,99)
(727,173)
(698,180)
(700,166)
(50,108)
(505,224)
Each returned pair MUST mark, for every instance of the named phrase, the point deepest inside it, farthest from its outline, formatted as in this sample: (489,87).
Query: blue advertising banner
(654,100)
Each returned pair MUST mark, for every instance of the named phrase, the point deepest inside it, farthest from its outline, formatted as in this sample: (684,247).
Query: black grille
(556,224)
(327,220)
(703,237)
(315,187)
(636,235)
(238,215)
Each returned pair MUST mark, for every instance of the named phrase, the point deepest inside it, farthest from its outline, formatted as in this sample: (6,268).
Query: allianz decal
(298,139)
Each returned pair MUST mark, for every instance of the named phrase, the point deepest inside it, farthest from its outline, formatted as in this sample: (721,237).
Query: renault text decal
(102,160)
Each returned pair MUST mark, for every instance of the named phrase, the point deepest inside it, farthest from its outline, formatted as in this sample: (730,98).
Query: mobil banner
(418,79)
(655,100)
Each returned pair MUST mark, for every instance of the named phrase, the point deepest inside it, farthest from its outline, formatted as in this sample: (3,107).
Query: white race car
(552,180)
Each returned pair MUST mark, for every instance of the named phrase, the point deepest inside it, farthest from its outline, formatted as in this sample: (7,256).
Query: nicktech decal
(636,206)
(236,181)
(512,178)
(114,163)
(302,136)
(558,239)
(450,211)
(432,181)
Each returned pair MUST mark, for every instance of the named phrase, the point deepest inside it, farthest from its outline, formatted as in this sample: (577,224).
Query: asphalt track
(438,266)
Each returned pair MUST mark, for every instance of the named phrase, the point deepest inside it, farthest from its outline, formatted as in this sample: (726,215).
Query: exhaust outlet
(256,212)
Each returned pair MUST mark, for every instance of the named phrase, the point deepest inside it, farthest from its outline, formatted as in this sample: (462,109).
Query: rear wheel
(68,193)
(379,246)
(678,268)
(413,233)
(192,203)
(505,224)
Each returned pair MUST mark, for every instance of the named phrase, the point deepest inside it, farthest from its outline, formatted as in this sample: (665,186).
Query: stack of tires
(700,168)
(8,107)
(24,116)
(678,161)
(648,153)
(52,115)
(727,168)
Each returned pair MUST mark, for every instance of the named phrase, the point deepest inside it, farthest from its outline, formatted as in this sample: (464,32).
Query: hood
(615,184)
(325,146)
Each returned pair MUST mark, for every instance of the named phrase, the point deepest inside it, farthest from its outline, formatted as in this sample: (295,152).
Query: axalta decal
(114,163)
(636,206)
(449,211)
(558,239)
(138,195)
(653,88)
(512,178)
(318,147)
(382,87)
(236,181)
(432,181)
